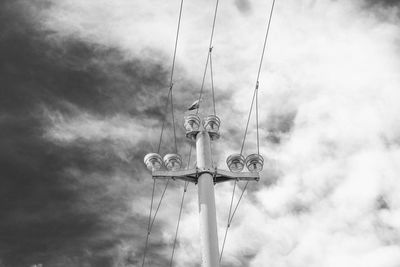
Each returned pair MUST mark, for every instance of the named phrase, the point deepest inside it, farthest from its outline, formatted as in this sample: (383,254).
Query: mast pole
(204,175)
(207,211)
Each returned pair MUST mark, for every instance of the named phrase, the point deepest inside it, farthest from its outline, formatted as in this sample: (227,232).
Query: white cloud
(90,128)
(332,62)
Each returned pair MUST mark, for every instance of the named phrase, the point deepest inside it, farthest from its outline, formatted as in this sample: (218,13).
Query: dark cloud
(380,8)
(389,3)
(65,204)
(279,126)
(55,200)
(299,208)
(381,203)
(243,6)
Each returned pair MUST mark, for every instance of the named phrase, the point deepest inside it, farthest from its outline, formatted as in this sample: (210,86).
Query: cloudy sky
(83,87)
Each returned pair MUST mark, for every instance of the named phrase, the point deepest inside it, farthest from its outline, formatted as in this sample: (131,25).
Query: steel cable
(171,84)
(173,122)
(151,221)
(255,95)
(181,207)
(228,224)
(208,54)
(163,123)
(230,217)
(179,219)
(148,224)
(212,84)
(159,204)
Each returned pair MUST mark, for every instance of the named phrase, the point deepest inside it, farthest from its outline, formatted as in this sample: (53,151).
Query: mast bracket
(218,175)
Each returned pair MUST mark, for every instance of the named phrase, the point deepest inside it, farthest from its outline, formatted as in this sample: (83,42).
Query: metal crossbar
(219,175)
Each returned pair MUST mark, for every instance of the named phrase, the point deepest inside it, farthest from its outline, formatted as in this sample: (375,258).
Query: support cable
(173,122)
(248,121)
(179,219)
(208,54)
(202,82)
(159,204)
(169,97)
(212,84)
(255,95)
(171,84)
(237,204)
(151,220)
(180,210)
(258,135)
(228,223)
(148,224)
(163,124)
(176,44)
(230,217)
(265,39)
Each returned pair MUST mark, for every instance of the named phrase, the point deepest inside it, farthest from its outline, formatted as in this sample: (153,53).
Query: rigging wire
(265,40)
(179,219)
(258,135)
(151,221)
(159,204)
(230,216)
(237,204)
(171,84)
(169,98)
(163,123)
(248,120)
(212,84)
(180,210)
(255,95)
(204,77)
(176,44)
(148,224)
(228,223)
(173,122)
(210,48)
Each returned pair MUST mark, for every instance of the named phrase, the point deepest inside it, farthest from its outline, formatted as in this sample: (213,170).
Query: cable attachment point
(210,49)
(257,84)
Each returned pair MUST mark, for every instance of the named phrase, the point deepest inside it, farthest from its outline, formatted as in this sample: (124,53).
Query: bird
(195,105)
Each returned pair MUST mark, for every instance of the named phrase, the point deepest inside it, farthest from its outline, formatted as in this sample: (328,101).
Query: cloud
(70,190)
(244,6)
(84,87)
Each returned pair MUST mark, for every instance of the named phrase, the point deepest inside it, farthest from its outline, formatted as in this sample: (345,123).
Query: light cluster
(210,123)
(253,162)
(193,125)
(171,162)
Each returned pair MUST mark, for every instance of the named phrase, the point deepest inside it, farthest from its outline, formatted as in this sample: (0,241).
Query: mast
(205,176)
(207,212)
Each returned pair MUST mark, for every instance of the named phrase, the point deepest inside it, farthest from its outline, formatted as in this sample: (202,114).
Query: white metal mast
(207,214)
(205,175)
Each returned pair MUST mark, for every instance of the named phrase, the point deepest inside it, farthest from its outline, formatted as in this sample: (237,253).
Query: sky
(82,100)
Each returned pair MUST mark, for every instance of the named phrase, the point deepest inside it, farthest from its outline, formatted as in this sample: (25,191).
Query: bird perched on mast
(195,105)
